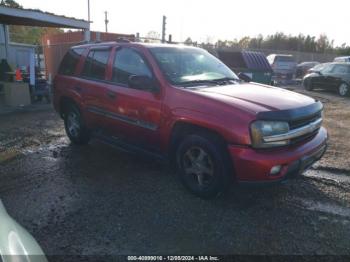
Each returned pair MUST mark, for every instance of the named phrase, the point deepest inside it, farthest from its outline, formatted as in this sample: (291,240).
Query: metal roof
(245,59)
(29,17)
(256,60)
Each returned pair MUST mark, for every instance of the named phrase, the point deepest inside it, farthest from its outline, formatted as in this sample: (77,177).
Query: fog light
(275,170)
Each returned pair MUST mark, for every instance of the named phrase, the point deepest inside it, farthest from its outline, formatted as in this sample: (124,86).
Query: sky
(202,20)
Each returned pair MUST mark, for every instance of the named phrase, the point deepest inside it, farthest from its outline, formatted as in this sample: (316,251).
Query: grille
(303,122)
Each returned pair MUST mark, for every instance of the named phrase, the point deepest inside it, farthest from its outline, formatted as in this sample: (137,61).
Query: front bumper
(252,165)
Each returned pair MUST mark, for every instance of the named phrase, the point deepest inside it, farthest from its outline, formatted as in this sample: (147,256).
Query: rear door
(133,115)
(335,78)
(92,84)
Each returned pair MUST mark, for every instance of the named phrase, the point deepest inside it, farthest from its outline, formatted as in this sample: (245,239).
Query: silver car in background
(16,244)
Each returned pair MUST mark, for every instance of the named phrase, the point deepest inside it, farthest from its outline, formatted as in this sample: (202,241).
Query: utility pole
(87,35)
(106,21)
(164,29)
(89,11)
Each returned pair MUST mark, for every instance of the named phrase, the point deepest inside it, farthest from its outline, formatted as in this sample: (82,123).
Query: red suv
(183,104)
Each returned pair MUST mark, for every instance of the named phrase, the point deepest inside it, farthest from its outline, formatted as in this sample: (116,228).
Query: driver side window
(327,69)
(128,62)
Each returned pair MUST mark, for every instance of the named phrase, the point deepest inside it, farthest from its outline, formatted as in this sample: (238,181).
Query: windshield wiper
(226,79)
(220,81)
(199,82)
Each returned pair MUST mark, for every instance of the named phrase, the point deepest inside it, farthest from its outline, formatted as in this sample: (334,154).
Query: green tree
(10,3)
(27,34)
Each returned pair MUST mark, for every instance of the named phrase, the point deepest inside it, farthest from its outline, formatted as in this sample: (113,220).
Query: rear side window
(341,69)
(96,64)
(70,61)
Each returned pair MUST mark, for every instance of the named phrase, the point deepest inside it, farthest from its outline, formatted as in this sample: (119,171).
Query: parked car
(252,64)
(303,68)
(342,59)
(316,68)
(16,244)
(333,76)
(183,104)
(283,66)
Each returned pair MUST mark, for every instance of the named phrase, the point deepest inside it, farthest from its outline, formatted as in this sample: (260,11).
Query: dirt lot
(95,200)
(337,122)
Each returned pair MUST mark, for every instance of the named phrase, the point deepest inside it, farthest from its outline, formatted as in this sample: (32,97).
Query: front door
(323,81)
(133,114)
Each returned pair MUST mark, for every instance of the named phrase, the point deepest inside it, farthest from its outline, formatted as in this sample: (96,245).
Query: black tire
(308,84)
(343,89)
(203,185)
(77,131)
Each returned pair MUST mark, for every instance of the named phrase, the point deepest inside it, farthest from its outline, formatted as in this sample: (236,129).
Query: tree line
(281,41)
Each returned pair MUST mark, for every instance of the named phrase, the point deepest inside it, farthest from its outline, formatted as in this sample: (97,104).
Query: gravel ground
(95,200)
(337,122)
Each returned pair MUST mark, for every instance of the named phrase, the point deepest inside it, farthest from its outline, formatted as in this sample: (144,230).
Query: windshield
(189,65)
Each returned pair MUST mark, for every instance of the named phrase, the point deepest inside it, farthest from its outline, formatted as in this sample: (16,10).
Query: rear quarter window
(70,61)
(284,59)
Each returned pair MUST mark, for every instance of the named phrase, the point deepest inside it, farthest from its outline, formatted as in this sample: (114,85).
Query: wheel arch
(181,129)
(64,102)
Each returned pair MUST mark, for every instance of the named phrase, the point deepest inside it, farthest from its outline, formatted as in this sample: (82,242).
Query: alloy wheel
(198,165)
(343,89)
(73,124)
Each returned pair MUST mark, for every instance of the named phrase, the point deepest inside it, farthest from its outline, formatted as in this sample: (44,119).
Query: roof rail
(123,40)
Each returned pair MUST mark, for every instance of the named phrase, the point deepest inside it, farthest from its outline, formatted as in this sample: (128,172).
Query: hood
(256,98)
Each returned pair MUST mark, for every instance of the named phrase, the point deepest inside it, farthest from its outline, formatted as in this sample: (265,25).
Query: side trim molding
(125,119)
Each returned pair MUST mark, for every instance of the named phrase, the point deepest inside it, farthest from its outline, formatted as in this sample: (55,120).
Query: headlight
(260,129)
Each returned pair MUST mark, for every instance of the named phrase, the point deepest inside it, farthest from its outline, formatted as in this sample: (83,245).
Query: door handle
(111,95)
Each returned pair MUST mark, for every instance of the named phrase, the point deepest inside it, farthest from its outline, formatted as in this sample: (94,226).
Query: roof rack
(123,40)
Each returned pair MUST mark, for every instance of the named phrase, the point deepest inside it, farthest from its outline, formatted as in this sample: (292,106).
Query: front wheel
(343,89)
(308,84)
(203,166)
(75,127)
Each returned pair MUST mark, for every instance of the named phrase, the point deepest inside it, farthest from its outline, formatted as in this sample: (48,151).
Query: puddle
(326,208)
(336,177)
(8,155)
(60,143)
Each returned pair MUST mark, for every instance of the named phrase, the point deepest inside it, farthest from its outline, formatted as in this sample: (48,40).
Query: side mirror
(244,77)
(143,82)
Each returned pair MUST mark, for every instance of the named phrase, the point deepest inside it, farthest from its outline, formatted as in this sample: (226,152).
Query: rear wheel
(343,89)
(203,166)
(75,127)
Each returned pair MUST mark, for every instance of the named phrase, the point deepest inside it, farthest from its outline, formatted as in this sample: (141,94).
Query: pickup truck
(182,104)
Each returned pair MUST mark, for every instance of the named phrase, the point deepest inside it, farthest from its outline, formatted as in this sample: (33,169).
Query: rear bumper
(254,166)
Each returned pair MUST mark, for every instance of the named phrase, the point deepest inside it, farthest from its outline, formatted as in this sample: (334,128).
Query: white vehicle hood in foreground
(16,244)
